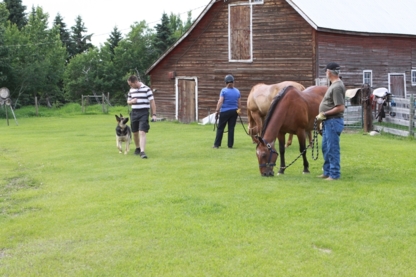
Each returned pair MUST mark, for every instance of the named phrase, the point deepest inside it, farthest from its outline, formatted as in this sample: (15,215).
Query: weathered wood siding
(285,47)
(382,55)
(282,50)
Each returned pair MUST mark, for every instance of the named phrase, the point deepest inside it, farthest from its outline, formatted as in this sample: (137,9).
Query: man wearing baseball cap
(331,113)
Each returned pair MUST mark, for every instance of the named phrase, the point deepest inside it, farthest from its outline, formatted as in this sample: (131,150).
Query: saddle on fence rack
(381,98)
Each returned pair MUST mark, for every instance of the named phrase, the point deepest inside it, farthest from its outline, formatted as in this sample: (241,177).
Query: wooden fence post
(36,105)
(366,109)
(411,115)
(7,115)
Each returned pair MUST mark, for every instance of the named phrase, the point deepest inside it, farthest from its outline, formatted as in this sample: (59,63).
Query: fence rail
(399,117)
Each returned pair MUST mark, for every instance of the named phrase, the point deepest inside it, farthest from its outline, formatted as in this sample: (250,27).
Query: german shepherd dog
(123,133)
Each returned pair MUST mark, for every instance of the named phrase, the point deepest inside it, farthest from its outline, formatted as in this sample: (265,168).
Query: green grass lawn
(71,205)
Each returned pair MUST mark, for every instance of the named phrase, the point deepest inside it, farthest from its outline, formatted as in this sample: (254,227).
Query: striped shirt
(143,95)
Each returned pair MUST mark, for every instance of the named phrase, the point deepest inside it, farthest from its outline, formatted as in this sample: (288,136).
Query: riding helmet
(229,79)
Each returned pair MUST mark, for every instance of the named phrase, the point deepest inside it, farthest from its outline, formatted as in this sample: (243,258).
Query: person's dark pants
(230,118)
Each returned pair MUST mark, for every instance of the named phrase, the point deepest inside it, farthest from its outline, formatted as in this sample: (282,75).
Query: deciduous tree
(38,59)
(4,57)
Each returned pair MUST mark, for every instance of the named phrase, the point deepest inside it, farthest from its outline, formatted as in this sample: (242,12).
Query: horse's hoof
(306,172)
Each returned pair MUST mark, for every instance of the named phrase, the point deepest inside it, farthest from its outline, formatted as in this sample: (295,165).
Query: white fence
(400,117)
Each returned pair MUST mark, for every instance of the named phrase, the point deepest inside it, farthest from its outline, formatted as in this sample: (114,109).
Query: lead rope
(216,125)
(314,142)
(243,125)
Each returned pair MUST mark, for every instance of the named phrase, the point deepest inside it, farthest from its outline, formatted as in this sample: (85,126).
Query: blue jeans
(332,129)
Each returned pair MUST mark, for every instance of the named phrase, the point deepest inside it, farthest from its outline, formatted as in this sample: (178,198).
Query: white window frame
(251,35)
(371,77)
(413,77)
(256,2)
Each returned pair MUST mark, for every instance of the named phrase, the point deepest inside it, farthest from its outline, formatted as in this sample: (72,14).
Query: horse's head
(267,156)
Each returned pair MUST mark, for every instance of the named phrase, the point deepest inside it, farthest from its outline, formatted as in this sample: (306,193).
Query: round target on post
(4,93)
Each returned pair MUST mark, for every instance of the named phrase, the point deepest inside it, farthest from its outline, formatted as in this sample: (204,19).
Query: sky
(101,16)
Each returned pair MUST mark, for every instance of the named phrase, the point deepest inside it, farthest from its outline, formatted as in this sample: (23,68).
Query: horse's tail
(275,101)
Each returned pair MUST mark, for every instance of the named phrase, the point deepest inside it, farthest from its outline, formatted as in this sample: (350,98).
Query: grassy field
(71,205)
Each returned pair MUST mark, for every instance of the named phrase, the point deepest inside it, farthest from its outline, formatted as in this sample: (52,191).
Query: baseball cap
(332,66)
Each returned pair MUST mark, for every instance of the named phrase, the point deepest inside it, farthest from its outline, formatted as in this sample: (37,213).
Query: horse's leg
(252,125)
(302,148)
(310,138)
(289,141)
(281,139)
(258,124)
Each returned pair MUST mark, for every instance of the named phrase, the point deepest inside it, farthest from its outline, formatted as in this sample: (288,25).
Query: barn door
(240,33)
(186,100)
(397,85)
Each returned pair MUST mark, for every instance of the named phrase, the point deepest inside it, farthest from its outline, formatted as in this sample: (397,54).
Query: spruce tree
(164,36)
(114,39)
(63,31)
(79,42)
(17,13)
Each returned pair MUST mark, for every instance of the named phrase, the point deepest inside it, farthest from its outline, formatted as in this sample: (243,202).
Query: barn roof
(380,17)
(369,16)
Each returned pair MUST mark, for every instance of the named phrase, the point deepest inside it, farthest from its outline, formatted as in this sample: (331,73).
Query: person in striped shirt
(140,97)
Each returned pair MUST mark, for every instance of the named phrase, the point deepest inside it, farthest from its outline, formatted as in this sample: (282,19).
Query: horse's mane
(275,101)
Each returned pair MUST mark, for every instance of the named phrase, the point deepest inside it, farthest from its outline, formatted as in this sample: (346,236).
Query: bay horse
(292,111)
(258,103)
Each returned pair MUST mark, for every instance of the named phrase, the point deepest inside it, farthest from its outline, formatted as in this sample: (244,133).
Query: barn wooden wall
(356,53)
(285,47)
(282,50)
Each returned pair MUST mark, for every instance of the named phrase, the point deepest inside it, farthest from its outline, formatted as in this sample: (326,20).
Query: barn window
(414,77)
(240,33)
(368,77)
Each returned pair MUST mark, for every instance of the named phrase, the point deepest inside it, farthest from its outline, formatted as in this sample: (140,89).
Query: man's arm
(153,107)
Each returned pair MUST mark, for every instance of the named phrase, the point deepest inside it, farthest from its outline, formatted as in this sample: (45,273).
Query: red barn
(270,41)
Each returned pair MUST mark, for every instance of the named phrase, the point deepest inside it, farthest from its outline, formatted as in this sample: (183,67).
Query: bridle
(271,150)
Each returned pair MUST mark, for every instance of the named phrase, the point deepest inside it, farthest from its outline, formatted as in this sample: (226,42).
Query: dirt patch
(2,253)
(323,250)
(18,183)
